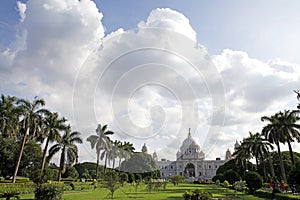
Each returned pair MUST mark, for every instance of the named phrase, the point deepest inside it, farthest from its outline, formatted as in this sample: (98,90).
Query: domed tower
(144,148)
(236,145)
(228,155)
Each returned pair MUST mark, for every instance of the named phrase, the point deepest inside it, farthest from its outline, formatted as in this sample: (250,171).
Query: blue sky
(263,29)
(251,48)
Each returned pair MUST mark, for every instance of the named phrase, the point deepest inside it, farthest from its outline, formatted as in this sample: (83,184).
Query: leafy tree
(232,164)
(123,178)
(8,152)
(176,179)
(86,170)
(139,163)
(70,172)
(68,148)
(101,141)
(31,160)
(131,178)
(31,123)
(231,176)
(111,182)
(253,180)
(294,174)
(219,177)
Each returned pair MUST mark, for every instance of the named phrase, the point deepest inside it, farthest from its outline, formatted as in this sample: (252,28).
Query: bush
(176,179)
(231,176)
(48,192)
(226,184)
(219,177)
(253,180)
(294,174)
(123,178)
(240,185)
(197,194)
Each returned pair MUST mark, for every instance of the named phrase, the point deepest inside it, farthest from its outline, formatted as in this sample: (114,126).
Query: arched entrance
(190,170)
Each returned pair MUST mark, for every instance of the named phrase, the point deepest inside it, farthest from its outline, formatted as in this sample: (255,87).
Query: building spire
(189,135)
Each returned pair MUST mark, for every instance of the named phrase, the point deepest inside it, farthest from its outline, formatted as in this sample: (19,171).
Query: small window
(171,166)
(209,167)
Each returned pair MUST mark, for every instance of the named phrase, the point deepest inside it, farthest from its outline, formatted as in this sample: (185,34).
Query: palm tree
(53,126)
(290,129)
(298,97)
(30,124)
(114,152)
(259,148)
(273,134)
(69,151)
(242,155)
(101,141)
(9,116)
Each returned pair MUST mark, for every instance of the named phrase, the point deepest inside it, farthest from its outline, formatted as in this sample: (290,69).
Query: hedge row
(278,196)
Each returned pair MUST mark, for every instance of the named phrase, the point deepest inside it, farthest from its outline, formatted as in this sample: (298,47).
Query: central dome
(188,142)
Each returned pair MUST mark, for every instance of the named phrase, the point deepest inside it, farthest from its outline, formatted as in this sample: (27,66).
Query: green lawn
(170,193)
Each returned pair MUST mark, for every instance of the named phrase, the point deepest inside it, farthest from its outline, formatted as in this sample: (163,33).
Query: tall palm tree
(69,151)
(242,155)
(259,148)
(101,141)
(53,126)
(290,129)
(9,116)
(114,152)
(273,134)
(30,124)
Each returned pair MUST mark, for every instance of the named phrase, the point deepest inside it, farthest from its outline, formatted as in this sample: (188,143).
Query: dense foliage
(231,176)
(253,180)
(48,192)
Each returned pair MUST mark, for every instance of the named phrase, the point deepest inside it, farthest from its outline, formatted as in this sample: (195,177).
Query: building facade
(190,162)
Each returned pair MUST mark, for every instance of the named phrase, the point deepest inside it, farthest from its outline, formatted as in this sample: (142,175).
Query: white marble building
(190,162)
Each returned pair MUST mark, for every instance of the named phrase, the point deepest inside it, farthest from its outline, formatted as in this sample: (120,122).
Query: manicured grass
(170,193)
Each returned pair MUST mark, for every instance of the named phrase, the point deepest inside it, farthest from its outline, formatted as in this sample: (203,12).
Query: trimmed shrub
(253,180)
(226,184)
(231,176)
(219,177)
(48,192)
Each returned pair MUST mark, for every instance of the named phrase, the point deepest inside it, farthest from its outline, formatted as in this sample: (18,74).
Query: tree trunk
(114,163)
(97,166)
(44,154)
(106,158)
(20,155)
(61,164)
(256,160)
(265,171)
(271,167)
(281,163)
(291,152)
